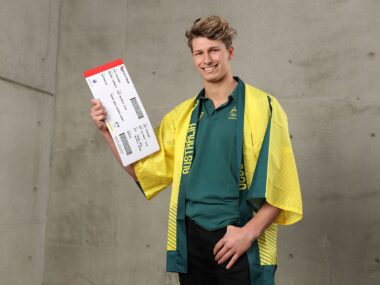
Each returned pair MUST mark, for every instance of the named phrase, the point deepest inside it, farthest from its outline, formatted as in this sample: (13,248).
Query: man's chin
(212,78)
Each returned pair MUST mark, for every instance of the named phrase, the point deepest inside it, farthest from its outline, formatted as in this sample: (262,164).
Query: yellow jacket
(281,186)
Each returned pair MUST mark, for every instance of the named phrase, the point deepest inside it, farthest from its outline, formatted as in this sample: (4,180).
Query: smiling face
(212,59)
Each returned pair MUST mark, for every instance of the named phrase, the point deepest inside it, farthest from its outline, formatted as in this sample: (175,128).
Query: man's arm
(237,240)
(99,115)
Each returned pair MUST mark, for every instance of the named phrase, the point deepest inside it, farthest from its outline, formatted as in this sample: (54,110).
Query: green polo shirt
(212,195)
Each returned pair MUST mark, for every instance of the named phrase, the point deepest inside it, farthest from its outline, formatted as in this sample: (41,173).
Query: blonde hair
(213,28)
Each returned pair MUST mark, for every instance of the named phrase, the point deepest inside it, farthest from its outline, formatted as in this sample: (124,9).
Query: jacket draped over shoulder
(269,164)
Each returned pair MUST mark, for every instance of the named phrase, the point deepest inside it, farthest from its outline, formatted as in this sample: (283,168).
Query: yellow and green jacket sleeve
(275,179)
(155,172)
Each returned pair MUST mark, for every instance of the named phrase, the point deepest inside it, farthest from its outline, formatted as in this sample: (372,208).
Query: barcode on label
(126,145)
(137,108)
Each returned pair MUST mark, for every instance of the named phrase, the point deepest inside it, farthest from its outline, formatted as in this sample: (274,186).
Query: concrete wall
(319,58)
(28,52)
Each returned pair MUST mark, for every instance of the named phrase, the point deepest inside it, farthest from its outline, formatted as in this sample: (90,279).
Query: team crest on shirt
(233,114)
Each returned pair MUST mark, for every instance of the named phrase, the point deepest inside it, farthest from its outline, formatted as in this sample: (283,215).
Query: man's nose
(207,59)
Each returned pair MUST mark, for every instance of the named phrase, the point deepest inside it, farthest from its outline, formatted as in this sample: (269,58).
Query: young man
(228,156)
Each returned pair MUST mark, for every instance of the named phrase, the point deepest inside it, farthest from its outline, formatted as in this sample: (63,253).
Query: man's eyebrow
(209,48)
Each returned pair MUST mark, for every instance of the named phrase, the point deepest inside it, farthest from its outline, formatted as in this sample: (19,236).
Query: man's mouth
(210,68)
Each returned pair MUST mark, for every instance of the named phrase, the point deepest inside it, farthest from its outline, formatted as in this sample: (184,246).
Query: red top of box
(103,67)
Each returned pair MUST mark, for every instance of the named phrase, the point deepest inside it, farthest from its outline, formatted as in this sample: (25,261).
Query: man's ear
(231,52)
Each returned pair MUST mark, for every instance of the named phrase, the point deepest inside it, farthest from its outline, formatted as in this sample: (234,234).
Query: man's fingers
(97,108)
(218,246)
(95,102)
(96,105)
(225,257)
(100,125)
(100,118)
(221,253)
(232,261)
(100,112)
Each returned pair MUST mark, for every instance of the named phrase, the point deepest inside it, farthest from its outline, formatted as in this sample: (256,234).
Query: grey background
(69,215)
